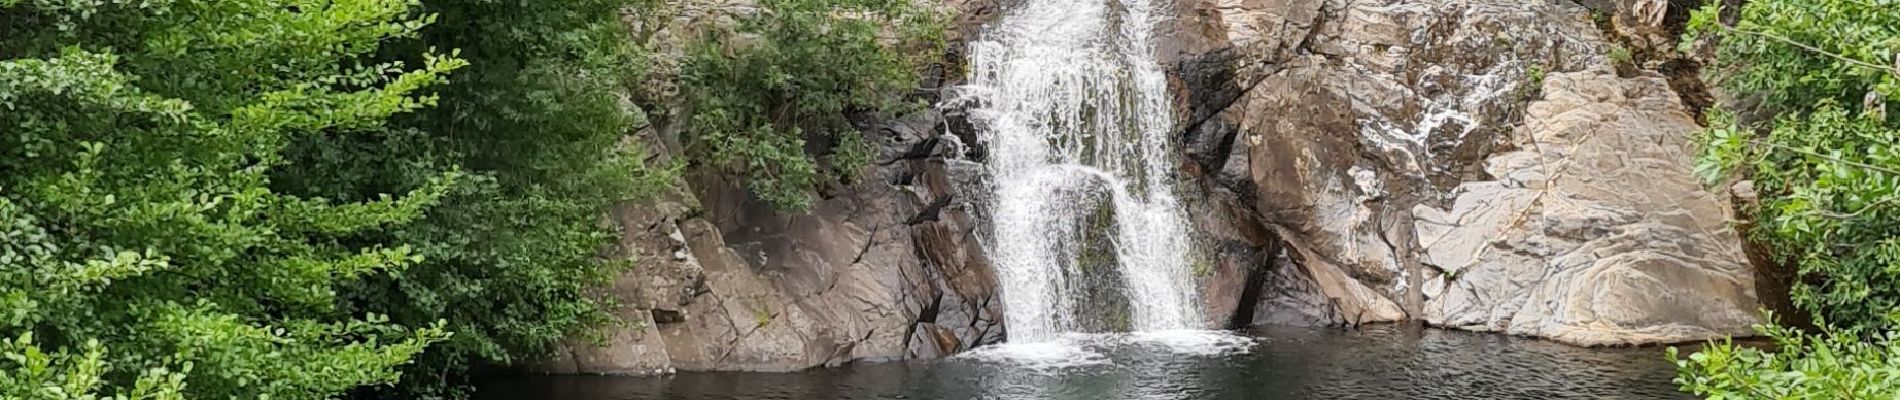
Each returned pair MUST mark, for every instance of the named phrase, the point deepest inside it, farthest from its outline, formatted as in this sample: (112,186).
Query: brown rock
(743,287)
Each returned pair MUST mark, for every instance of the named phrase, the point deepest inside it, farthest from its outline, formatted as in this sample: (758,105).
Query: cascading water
(1074,108)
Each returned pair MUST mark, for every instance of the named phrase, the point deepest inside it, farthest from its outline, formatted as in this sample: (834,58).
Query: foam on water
(1063,352)
(1198,343)
(1079,350)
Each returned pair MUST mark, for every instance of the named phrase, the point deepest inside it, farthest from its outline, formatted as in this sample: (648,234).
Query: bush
(1827,164)
(1825,158)
(1830,184)
(793,72)
(1798,366)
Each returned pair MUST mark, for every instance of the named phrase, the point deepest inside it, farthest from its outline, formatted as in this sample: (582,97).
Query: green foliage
(136,207)
(291,200)
(850,155)
(1203,268)
(1533,88)
(1621,56)
(1834,181)
(761,318)
(536,123)
(1794,54)
(29,373)
(1798,366)
(1826,163)
(783,84)
(1829,165)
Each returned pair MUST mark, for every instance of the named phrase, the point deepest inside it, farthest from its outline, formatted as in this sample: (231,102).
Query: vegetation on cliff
(1824,153)
(772,98)
(308,200)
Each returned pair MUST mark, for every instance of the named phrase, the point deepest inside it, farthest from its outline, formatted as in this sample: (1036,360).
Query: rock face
(884,269)
(1384,160)
(1473,164)
(1592,231)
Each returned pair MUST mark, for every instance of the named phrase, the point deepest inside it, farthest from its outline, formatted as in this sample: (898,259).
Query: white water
(1074,108)
(1079,350)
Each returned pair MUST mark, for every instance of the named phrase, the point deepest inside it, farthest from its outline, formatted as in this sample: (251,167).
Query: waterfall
(1075,111)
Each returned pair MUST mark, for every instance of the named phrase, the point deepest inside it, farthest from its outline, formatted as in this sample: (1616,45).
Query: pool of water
(1375,362)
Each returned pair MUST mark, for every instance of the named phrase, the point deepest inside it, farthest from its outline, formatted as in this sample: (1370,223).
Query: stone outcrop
(1473,164)
(1593,230)
(1364,150)
(884,269)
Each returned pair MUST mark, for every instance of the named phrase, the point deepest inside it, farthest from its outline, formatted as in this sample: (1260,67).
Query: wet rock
(1231,283)
(1353,110)
(669,280)
(961,278)
(1289,296)
(1349,130)
(1595,232)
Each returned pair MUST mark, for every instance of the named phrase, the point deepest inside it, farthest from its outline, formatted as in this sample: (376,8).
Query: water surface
(1377,362)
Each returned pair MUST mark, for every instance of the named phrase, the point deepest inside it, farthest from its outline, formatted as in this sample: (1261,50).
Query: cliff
(1489,165)
(1483,165)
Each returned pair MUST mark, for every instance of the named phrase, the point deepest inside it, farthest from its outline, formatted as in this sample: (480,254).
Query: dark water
(1380,362)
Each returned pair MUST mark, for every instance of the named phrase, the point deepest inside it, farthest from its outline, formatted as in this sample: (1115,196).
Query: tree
(536,125)
(143,252)
(291,200)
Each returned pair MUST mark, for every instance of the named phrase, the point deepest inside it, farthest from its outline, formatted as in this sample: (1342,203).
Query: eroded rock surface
(1473,164)
(883,269)
(1348,130)
(1593,231)
(880,269)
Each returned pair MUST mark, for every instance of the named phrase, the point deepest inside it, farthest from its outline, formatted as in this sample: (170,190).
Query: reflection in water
(1380,362)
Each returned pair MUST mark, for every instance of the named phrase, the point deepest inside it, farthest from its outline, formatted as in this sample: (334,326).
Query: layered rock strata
(1475,164)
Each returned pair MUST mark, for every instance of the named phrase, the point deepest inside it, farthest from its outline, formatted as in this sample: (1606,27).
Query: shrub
(793,72)
(1797,366)
(1825,158)
(1826,165)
